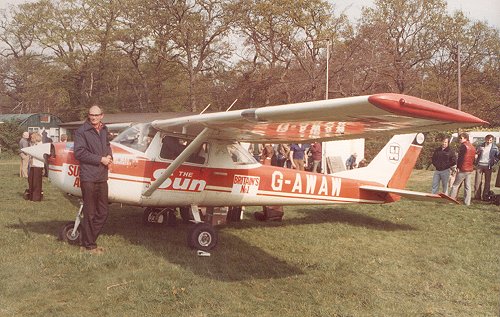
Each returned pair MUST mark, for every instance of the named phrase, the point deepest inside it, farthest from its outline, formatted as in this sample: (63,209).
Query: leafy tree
(399,36)
(479,46)
(10,133)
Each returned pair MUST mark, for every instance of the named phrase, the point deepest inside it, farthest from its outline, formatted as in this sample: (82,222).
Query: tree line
(60,56)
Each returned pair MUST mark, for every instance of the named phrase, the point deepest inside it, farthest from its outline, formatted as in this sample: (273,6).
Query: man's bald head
(95,115)
(95,109)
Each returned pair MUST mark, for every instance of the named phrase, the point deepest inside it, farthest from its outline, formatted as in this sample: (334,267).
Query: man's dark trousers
(95,211)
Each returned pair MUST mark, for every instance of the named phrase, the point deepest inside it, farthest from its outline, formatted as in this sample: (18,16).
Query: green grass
(402,259)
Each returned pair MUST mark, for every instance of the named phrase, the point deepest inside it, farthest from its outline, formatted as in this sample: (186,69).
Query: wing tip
(421,108)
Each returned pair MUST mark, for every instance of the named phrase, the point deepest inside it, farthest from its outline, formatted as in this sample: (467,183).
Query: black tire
(65,234)
(148,216)
(259,215)
(202,236)
(186,214)
(171,218)
(234,214)
(166,216)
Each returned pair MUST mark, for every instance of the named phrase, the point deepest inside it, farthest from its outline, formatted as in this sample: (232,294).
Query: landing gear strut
(71,231)
(202,236)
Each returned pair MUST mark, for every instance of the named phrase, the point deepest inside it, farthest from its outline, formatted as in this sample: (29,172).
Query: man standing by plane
(443,160)
(93,150)
(465,165)
(487,156)
(24,142)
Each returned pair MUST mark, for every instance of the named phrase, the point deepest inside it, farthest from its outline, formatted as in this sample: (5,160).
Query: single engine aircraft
(197,161)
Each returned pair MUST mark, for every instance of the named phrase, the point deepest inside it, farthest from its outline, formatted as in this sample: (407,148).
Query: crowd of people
(453,170)
(297,156)
(302,157)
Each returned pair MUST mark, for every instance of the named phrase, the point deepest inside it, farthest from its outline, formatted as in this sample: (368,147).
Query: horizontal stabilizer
(411,194)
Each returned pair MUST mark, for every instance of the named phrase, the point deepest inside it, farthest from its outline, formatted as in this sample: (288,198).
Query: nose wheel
(70,235)
(71,231)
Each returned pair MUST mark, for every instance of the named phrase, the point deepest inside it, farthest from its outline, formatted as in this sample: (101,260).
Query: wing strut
(190,149)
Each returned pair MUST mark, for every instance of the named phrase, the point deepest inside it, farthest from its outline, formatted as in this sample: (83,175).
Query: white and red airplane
(151,168)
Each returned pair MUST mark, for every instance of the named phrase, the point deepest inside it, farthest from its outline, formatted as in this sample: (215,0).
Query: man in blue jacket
(487,156)
(93,150)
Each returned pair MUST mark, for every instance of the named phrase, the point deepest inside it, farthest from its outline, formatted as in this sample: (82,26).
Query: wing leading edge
(332,119)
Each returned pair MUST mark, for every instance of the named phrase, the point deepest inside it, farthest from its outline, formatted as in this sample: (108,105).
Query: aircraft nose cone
(37,151)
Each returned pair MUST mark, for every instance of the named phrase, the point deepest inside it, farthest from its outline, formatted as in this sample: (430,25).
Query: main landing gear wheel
(161,216)
(186,214)
(66,234)
(202,237)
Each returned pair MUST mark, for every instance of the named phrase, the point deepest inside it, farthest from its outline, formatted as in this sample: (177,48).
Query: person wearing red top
(316,152)
(465,166)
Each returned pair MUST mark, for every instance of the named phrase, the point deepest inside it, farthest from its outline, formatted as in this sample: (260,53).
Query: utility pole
(327,66)
(323,144)
(459,79)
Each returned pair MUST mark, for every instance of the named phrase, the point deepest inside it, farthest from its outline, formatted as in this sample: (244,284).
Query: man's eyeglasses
(95,115)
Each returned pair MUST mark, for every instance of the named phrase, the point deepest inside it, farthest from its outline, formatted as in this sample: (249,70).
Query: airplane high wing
(192,162)
(343,118)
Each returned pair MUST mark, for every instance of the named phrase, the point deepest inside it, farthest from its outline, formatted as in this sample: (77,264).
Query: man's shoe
(96,251)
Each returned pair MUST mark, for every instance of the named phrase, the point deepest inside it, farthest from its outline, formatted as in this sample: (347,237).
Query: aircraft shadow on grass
(333,215)
(230,260)
(233,260)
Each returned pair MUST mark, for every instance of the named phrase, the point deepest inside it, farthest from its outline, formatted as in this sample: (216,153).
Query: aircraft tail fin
(393,164)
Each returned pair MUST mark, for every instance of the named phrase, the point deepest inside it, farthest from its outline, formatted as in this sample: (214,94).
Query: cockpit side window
(173,146)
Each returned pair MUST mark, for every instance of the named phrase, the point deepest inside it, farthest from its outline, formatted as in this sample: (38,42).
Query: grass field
(402,259)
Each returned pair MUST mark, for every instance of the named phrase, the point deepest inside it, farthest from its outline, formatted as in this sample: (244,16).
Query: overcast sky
(488,10)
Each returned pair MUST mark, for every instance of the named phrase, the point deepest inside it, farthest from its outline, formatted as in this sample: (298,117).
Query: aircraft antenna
(205,109)
(231,105)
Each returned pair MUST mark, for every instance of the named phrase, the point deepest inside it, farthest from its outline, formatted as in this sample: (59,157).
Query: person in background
(497,182)
(267,154)
(93,151)
(64,137)
(256,150)
(24,142)
(45,137)
(35,172)
(487,156)
(351,161)
(362,163)
(443,160)
(298,156)
(465,166)
(282,154)
(316,156)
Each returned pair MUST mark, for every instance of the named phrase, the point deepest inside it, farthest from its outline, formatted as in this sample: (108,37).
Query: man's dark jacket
(90,147)
(443,159)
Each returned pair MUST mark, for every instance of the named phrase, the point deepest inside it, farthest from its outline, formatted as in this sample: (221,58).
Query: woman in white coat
(35,172)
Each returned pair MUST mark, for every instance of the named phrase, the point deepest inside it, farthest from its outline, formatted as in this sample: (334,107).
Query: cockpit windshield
(239,155)
(137,136)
